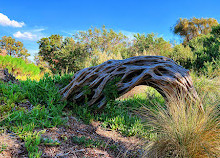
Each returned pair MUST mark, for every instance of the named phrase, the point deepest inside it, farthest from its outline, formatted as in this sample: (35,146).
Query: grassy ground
(35,120)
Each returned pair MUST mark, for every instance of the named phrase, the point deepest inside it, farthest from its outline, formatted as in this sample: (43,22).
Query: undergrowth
(45,109)
(119,114)
(29,107)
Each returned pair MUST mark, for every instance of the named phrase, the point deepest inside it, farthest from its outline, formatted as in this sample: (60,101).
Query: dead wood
(159,72)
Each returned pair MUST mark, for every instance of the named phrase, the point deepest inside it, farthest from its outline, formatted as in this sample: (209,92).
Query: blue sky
(30,20)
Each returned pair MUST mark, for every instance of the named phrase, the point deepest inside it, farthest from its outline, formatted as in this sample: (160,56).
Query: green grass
(120,115)
(47,110)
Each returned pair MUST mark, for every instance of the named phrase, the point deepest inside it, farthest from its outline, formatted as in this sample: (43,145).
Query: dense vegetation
(20,68)
(174,129)
(89,48)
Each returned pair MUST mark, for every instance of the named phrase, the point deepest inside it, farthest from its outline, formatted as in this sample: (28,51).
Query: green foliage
(62,80)
(182,55)
(86,48)
(119,115)
(62,55)
(32,140)
(3,147)
(102,40)
(43,92)
(95,46)
(206,48)
(111,89)
(87,142)
(49,142)
(90,143)
(191,28)
(13,48)
(46,113)
(150,44)
(10,96)
(19,67)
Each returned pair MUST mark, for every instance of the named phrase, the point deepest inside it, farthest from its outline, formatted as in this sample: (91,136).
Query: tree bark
(161,73)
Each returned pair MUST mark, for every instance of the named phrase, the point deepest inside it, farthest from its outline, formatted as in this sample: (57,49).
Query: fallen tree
(159,72)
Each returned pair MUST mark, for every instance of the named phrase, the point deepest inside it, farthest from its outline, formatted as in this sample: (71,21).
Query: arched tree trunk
(159,72)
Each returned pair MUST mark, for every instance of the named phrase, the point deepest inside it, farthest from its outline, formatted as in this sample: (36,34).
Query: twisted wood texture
(159,72)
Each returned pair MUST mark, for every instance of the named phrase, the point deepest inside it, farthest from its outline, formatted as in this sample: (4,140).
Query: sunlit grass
(183,130)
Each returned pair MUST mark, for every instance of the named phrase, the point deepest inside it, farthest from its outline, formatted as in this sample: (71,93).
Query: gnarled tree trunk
(156,71)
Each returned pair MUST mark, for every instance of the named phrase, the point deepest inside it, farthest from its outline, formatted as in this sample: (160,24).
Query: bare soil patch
(116,145)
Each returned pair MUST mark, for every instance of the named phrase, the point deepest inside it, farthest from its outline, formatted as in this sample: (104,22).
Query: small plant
(46,112)
(86,91)
(32,140)
(3,147)
(50,142)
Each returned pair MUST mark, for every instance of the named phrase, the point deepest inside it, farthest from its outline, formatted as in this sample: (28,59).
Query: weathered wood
(159,72)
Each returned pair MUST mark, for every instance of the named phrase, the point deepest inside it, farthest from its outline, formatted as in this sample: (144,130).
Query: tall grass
(183,130)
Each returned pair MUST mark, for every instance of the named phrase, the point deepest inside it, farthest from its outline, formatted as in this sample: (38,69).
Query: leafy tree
(49,46)
(102,40)
(13,47)
(61,55)
(72,56)
(206,48)
(149,44)
(84,49)
(191,28)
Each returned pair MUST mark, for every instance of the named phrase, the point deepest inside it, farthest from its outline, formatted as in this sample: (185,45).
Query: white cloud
(39,30)
(5,21)
(27,36)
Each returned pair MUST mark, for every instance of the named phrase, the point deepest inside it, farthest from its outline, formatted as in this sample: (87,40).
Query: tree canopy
(191,28)
(13,47)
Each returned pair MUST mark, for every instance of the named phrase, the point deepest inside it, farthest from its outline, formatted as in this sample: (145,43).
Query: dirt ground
(13,147)
(115,145)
